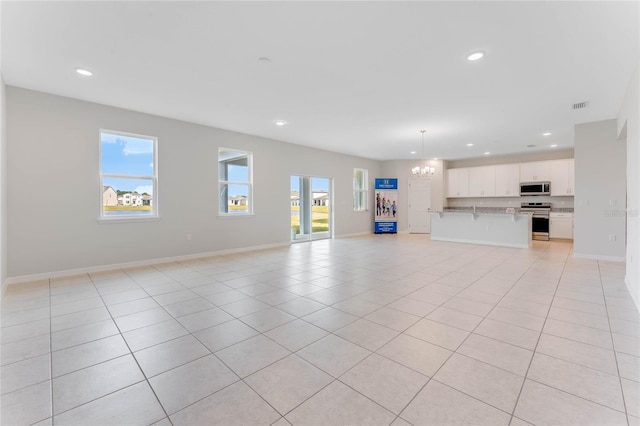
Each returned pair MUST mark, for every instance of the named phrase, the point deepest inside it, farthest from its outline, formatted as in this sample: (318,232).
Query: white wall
(600,197)
(53,184)
(628,127)
(3,185)
(401,169)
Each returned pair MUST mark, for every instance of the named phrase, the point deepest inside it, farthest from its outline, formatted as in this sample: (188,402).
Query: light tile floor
(368,330)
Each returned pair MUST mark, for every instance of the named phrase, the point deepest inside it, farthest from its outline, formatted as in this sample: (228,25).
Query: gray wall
(600,197)
(629,131)
(401,169)
(53,188)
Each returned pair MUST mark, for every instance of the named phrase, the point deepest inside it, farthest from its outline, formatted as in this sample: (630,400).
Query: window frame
(155,213)
(365,185)
(248,184)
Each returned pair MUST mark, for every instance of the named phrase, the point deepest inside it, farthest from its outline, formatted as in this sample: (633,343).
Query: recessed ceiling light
(85,72)
(474,56)
(554,145)
(264,61)
(280,123)
(546,134)
(487,153)
(469,144)
(413,152)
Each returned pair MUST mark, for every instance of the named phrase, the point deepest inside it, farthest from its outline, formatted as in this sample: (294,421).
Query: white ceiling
(360,78)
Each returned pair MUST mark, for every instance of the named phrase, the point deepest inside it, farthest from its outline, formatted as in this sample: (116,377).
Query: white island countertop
(493,227)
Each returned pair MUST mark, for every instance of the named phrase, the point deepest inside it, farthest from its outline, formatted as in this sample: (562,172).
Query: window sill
(104,220)
(233,216)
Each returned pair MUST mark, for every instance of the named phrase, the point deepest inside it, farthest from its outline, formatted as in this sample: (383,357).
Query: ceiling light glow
(474,56)
(469,144)
(554,145)
(546,134)
(413,152)
(280,123)
(83,71)
(487,153)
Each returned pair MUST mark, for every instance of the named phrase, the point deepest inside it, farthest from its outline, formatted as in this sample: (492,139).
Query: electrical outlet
(188,237)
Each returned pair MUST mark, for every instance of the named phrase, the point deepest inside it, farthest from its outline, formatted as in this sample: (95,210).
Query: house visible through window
(128,175)
(360,189)
(235,181)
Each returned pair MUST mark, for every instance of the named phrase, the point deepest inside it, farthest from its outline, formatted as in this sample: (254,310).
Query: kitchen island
(492,227)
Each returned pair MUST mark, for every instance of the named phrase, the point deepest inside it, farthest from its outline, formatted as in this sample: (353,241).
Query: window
(360,189)
(128,176)
(235,180)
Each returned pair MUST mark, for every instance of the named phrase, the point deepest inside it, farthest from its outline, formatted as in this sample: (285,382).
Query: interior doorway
(419,206)
(311,205)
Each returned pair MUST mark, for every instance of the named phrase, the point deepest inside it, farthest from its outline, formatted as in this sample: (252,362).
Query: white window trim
(364,191)
(249,184)
(155,216)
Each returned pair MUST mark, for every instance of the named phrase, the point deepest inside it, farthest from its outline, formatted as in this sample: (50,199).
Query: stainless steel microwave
(535,188)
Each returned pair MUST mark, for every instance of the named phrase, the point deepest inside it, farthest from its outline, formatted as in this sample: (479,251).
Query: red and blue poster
(386,205)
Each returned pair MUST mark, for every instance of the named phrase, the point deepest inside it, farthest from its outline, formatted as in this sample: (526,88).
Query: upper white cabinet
(562,177)
(538,171)
(458,183)
(482,181)
(504,180)
(507,180)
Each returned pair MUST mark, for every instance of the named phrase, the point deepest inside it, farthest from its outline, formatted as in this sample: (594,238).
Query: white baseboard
(627,283)
(598,257)
(92,269)
(357,234)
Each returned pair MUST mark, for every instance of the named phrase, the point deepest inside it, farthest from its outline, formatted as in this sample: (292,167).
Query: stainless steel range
(539,219)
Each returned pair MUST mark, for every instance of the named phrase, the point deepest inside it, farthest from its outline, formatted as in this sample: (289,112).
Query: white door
(419,206)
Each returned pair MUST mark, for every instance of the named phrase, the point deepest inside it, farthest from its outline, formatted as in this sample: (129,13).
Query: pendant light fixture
(422,172)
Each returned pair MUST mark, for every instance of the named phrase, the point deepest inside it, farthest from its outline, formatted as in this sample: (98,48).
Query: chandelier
(422,172)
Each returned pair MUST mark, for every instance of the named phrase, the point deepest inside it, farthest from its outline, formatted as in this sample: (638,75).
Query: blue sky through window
(317,184)
(127,155)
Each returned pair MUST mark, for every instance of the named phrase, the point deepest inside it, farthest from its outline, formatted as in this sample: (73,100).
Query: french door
(310,208)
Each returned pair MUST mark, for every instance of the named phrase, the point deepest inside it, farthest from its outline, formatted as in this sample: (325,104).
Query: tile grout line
(146,379)
(432,377)
(535,350)
(613,345)
(51,355)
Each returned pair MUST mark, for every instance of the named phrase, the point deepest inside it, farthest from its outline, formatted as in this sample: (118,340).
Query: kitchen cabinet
(561,225)
(482,181)
(537,171)
(507,180)
(562,177)
(458,183)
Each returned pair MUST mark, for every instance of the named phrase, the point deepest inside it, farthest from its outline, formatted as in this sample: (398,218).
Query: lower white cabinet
(561,225)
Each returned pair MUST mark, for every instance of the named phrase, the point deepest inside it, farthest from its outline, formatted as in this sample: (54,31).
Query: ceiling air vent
(580,105)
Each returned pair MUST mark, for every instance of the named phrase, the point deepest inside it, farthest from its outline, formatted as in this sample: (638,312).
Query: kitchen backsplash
(556,202)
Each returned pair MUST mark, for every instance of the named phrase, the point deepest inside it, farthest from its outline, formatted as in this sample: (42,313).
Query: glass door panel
(310,208)
(320,213)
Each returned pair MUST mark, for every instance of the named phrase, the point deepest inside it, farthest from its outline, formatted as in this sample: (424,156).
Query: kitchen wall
(401,169)
(53,188)
(558,154)
(600,200)
(556,202)
(628,130)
